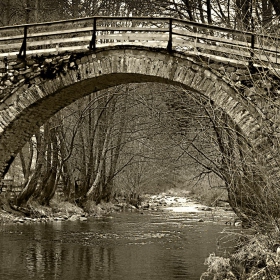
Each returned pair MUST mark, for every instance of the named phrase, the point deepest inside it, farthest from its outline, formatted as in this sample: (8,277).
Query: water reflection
(125,246)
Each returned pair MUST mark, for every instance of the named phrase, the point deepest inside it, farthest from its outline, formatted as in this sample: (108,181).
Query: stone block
(234,77)
(48,60)
(30,62)
(190,74)
(196,67)
(84,59)
(12,63)
(20,65)
(230,69)
(23,72)
(8,83)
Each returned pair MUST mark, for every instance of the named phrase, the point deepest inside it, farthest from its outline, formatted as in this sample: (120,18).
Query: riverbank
(257,257)
(170,201)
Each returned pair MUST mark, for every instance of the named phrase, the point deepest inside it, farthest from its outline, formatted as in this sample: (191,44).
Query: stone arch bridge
(45,67)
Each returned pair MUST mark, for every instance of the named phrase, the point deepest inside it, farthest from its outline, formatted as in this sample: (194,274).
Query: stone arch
(30,104)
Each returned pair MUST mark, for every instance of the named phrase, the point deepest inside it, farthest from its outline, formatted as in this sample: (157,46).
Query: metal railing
(212,42)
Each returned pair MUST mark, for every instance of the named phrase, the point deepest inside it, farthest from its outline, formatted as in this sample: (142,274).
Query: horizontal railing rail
(212,42)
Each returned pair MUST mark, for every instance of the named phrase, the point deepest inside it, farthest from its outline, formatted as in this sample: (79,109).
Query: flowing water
(123,246)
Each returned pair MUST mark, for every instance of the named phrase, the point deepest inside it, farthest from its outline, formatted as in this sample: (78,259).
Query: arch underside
(30,107)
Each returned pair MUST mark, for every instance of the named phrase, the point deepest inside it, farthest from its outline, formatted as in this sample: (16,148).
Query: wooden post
(251,62)
(252,44)
(169,45)
(92,44)
(22,51)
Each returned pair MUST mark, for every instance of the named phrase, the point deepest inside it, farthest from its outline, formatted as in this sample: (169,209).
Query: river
(123,246)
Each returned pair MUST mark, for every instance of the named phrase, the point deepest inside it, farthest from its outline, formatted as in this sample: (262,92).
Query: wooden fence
(206,41)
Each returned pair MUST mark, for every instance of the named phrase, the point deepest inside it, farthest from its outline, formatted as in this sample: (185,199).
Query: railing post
(169,45)
(22,51)
(251,62)
(92,44)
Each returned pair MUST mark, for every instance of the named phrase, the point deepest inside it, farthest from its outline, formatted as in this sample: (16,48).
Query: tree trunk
(209,16)
(36,10)
(50,187)
(97,189)
(6,8)
(29,188)
(116,151)
(75,8)
(244,14)
(26,157)
(31,182)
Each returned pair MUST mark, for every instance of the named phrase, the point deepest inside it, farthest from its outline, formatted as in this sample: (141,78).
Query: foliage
(65,207)
(217,263)
(98,210)
(255,258)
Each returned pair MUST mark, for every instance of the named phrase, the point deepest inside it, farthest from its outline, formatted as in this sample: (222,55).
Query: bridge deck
(206,41)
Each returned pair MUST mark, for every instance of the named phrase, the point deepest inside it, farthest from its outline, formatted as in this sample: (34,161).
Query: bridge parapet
(207,41)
